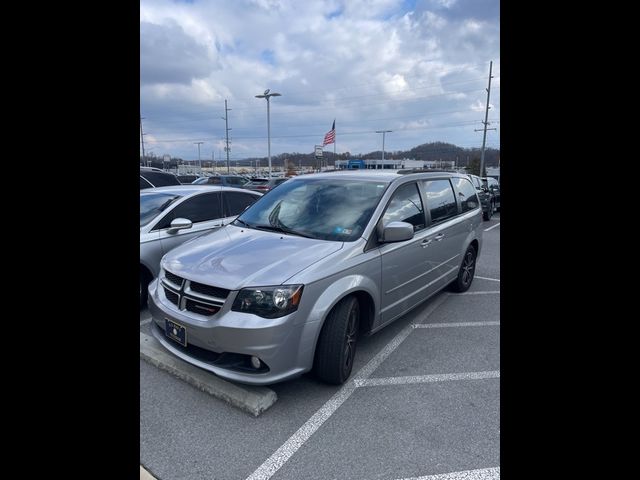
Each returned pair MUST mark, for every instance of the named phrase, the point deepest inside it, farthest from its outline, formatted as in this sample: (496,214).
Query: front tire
(466,272)
(144,284)
(337,342)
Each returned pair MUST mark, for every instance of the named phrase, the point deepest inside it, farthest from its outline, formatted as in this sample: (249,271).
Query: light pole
(383,133)
(199,163)
(268,95)
(142,139)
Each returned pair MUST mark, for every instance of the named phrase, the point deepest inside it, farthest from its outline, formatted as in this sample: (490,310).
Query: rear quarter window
(466,194)
(441,201)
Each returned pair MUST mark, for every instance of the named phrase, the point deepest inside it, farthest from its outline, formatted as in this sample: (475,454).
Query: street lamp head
(268,95)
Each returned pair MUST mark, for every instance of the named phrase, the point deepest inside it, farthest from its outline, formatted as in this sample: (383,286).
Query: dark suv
(487,198)
(494,187)
(154,177)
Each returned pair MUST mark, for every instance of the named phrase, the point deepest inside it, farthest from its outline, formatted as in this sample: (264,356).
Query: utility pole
(486,118)
(199,162)
(213,160)
(226,128)
(383,133)
(142,138)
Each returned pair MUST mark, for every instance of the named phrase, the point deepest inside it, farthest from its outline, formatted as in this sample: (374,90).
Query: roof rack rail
(424,170)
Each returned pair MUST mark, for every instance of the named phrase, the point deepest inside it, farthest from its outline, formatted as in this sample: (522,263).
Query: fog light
(255,362)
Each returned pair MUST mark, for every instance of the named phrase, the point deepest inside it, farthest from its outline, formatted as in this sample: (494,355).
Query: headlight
(268,302)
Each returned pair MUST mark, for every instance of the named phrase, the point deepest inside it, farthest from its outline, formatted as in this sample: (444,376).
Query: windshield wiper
(281,228)
(242,222)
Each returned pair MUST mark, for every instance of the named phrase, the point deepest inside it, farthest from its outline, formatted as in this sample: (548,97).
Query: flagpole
(334,143)
(334,154)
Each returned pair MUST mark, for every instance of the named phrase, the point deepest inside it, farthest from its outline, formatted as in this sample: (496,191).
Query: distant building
(493,172)
(392,164)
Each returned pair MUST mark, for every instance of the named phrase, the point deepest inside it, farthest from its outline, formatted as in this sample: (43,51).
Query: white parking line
(487,278)
(491,228)
(144,322)
(475,293)
(481,474)
(291,446)
(442,377)
(455,324)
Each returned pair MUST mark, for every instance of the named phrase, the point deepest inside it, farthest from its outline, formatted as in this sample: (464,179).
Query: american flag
(330,136)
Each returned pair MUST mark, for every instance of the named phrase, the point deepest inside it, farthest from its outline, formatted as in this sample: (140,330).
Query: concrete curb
(144,475)
(253,400)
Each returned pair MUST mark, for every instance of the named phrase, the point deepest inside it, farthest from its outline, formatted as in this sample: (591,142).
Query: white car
(169,216)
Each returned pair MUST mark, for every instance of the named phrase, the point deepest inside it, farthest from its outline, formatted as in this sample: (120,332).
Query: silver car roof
(380,176)
(184,190)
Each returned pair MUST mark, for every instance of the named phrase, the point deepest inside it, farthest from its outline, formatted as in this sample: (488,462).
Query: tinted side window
(440,200)
(214,180)
(236,181)
(406,206)
(197,209)
(466,194)
(236,202)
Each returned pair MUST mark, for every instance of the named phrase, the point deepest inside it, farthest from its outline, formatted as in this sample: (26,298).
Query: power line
(362,132)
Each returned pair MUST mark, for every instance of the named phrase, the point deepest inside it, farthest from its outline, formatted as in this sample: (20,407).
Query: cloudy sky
(416,67)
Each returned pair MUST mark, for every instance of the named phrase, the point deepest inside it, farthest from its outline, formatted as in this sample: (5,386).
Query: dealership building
(392,164)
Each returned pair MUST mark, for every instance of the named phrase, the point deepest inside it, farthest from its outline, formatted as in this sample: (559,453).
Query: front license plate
(175,332)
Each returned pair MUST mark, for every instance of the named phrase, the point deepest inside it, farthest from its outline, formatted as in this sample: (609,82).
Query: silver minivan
(291,284)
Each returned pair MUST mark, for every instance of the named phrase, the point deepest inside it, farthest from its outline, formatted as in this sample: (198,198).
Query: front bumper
(276,342)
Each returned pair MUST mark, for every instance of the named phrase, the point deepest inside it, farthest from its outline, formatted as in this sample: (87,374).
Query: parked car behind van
(487,198)
(263,185)
(494,187)
(169,216)
(154,177)
(291,284)
(226,180)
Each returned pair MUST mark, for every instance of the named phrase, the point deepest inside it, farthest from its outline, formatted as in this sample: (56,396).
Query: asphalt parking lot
(423,401)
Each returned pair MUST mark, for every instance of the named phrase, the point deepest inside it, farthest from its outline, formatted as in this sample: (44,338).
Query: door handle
(439,237)
(425,243)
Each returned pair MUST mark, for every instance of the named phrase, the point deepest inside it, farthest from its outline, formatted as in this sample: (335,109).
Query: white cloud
(369,64)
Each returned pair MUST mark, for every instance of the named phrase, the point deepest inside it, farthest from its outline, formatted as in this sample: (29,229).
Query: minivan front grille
(205,300)
(209,290)
(173,278)
(201,308)
(171,296)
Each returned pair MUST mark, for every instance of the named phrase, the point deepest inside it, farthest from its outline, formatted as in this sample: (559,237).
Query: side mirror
(179,224)
(396,232)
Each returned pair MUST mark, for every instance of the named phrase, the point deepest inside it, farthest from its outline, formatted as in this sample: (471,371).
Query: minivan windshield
(326,209)
(152,204)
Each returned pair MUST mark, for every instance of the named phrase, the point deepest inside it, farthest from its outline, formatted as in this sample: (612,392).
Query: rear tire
(336,347)
(466,272)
